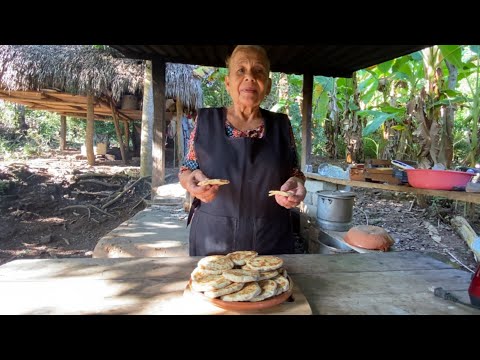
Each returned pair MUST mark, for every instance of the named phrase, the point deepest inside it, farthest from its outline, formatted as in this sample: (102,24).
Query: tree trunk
(446,143)
(118,131)
(331,127)
(392,137)
(422,132)
(21,123)
(63,132)
(354,127)
(159,125)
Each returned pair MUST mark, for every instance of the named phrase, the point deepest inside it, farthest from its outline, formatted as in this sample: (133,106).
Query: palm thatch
(78,69)
(182,83)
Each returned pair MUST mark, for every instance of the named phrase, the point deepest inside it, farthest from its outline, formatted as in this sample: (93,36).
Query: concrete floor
(157,231)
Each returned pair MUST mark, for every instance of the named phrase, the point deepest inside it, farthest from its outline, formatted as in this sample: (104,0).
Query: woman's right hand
(205,193)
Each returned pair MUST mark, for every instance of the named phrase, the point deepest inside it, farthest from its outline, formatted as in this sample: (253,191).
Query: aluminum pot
(335,209)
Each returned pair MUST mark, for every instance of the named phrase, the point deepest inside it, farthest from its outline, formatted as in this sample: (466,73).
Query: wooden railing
(453,195)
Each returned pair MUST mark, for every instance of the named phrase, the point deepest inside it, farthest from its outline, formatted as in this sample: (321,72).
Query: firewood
(466,232)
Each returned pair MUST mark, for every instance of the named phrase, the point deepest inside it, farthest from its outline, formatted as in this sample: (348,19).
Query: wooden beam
(125,116)
(307,119)
(84,115)
(159,124)
(118,111)
(63,132)
(42,100)
(22,102)
(65,104)
(453,195)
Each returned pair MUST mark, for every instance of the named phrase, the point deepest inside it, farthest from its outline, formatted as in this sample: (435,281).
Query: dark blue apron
(242,216)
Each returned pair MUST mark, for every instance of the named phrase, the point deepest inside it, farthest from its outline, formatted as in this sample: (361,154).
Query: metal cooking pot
(335,209)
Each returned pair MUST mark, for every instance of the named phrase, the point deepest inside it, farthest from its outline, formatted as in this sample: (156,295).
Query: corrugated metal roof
(326,60)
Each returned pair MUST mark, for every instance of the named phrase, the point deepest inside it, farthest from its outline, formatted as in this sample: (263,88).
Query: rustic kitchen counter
(373,283)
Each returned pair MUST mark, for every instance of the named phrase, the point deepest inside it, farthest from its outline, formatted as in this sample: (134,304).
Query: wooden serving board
(198,306)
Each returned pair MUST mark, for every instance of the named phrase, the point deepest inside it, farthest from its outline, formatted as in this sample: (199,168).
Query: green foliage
(294,92)
(371,148)
(453,54)
(376,119)
(271,101)
(367,85)
(214,92)
(401,81)
(327,83)
(43,132)
(320,107)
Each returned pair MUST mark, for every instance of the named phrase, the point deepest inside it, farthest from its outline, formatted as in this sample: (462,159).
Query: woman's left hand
(294,186)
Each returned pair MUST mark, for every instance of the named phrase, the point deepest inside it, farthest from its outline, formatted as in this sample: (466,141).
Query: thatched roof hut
(78,69)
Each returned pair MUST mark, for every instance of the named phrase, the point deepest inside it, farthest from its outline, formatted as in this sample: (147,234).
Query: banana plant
(387,89)
(470,75)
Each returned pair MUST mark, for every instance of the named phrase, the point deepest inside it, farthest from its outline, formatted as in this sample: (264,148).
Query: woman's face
(248,82)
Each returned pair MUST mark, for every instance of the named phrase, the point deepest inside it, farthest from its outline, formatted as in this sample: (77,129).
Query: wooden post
(63,132)
(179,131)
(90,130)
(159,124)
(147,123)
(127,137)
(307,119)
(119,132)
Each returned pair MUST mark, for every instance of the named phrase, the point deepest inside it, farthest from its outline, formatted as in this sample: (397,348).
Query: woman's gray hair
(246,47)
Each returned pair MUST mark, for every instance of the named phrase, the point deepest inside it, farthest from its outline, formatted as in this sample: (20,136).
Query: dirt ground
(414,228)
(59,206)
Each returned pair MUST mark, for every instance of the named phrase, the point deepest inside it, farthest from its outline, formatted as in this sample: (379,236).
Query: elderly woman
(255,150)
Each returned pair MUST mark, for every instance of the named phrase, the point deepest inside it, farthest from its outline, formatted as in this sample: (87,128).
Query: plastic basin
(437,179)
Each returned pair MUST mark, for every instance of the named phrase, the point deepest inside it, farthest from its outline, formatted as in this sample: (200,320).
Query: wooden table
(373,283)
(453,195)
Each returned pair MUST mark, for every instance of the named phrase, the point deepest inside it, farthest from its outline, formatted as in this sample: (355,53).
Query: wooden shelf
(453,195)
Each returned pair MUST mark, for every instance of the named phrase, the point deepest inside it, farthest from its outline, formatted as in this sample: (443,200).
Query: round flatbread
(265,263)
(249,291)
(269,289)
(268,275)
(198,273)
(241,276)
(239,257)
(209,283)
(214,182)
(233,287)
(216,262)
(282,284)
(279,192)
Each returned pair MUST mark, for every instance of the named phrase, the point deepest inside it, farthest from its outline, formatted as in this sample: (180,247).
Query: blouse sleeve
(190,159)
